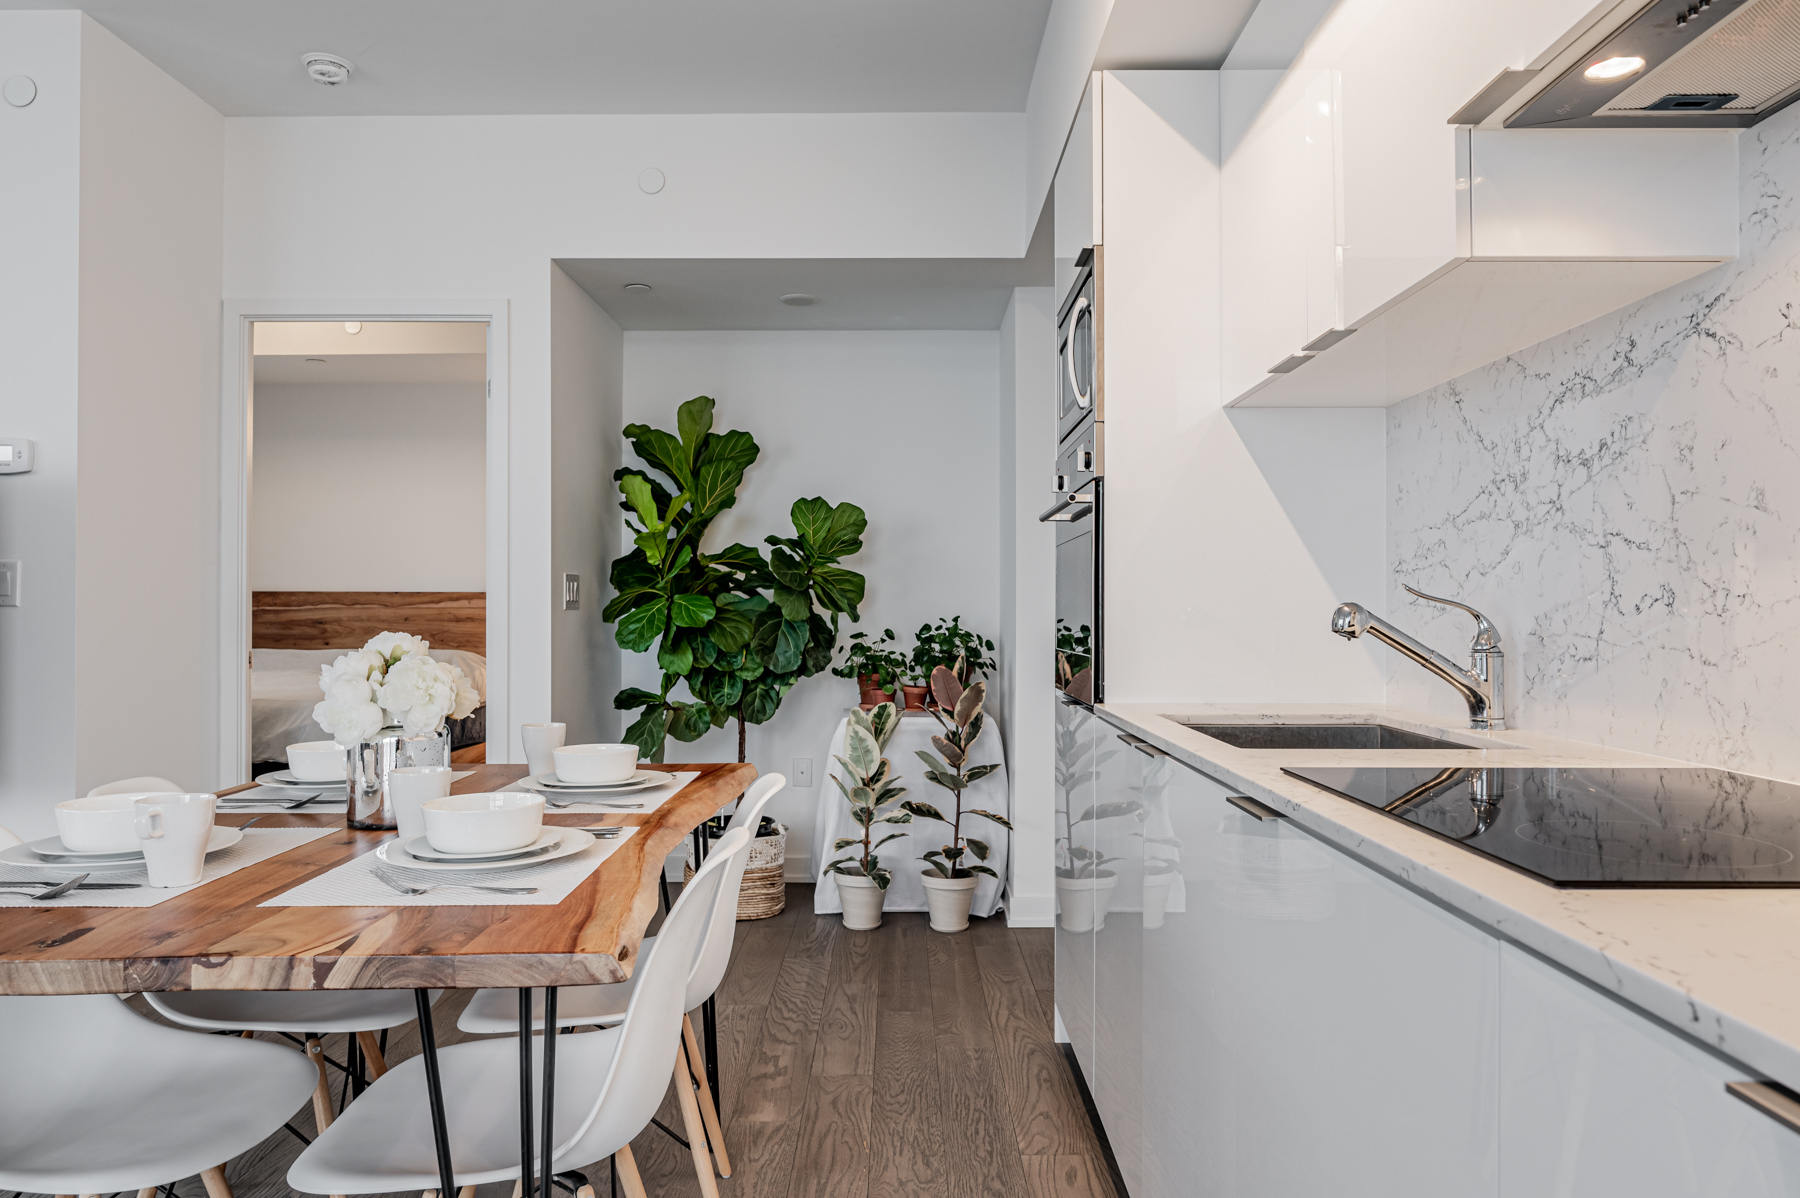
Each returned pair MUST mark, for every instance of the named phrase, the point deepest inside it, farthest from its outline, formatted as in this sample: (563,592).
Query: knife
(82,886)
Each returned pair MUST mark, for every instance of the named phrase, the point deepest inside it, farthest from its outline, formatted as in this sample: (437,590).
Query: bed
(296,632)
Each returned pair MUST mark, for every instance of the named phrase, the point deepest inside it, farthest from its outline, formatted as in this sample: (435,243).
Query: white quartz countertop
(1721,965)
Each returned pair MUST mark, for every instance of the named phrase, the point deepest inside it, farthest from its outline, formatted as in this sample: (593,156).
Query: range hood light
(1608,69)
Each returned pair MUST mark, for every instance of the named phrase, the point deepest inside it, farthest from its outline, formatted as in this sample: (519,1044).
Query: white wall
(587,382)
(380,207)
(1027,636)
(109,335)
(335,506)
(903,424)
(40,208)
(1072,35)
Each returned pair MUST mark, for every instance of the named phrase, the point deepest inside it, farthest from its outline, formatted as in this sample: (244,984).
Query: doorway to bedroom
(367,510)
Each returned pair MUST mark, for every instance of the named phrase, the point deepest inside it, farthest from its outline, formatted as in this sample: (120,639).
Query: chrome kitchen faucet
(1482,685)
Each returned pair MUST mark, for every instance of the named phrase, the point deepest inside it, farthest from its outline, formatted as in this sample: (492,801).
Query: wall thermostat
(15,455)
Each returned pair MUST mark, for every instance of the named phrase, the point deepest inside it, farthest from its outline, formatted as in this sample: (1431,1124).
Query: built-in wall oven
(1080,486)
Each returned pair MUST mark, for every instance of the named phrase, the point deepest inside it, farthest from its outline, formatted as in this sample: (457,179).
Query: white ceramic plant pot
(1156,897)
(1084,901)
(948,900)
(862,900)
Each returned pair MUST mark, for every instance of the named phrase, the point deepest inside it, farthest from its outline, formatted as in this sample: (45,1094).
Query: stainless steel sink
(1322,736)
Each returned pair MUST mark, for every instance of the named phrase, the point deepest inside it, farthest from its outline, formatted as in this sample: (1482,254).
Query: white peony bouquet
(391,680)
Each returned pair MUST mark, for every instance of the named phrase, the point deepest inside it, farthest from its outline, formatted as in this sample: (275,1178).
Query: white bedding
(284,687)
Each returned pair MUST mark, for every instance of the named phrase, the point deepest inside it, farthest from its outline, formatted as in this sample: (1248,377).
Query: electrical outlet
(802,772)
(571,592)
(9,585)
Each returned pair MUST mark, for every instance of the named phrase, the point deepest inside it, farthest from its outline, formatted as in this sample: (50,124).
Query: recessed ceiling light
(1614,68)
(353,327)
(638,288)
(325,68)
(799,299)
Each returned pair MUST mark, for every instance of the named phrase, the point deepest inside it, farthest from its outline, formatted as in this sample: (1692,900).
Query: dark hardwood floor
(855,1065)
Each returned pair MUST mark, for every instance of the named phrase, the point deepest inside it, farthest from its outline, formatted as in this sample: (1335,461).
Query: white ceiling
(588,56)
(370,368)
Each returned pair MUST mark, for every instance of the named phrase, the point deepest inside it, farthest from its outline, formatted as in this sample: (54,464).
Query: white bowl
(591,765)
(318,761)
(483,823)
(100,823)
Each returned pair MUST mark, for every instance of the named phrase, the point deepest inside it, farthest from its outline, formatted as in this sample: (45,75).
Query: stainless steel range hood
(1688,64)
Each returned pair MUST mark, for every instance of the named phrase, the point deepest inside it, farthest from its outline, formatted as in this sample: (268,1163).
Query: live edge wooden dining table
(215,937)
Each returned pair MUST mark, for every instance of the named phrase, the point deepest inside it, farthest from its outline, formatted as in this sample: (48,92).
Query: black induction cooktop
(1596,827)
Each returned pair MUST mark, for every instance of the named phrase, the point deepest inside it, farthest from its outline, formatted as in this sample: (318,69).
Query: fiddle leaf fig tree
(737,628)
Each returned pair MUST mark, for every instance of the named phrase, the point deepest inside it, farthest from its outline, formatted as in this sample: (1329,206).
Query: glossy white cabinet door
(1599,1102)
(1311,1027)
(1077,733)
(1075,224)
(1118,817)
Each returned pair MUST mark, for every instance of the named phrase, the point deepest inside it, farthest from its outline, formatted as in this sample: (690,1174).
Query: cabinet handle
(1250,806)
(1777,1102)
(1148,749)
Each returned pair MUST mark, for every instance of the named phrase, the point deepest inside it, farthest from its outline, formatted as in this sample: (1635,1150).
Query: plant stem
(740,723)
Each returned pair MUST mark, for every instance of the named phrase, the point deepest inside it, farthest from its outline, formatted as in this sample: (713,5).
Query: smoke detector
(328,69)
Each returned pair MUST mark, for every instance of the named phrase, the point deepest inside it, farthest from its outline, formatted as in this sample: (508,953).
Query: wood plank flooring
(898,1062)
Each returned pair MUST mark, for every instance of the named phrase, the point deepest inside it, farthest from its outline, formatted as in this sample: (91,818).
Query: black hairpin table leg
(547,1111)
(434,1090)
(526,1183)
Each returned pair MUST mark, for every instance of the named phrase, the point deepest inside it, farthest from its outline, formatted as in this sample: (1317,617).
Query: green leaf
(883,878)
(862,796)
(638,629)
(838,846)
(862,815)
(861,751)
(691,721)
(759,703)
(750,670)
(693,420)
(812,519)
(676,655)
(999,819)
(935,765)
(634,696)
(691,611)
(795,605)
(977,772)
(662,450)
(923,810)
(982,869)
(730,629)
(637,493)
(789,570)
(885,839)
(790,640)
(978,847)
(705,651)
(839,589)
(739,559)
(723,459)
(897,817)
(943,871)
(882,721)
(647,733)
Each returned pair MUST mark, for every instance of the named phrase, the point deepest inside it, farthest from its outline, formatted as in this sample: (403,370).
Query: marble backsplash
(1623,501)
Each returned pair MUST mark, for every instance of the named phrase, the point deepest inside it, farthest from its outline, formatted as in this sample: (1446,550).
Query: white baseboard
(1030,911)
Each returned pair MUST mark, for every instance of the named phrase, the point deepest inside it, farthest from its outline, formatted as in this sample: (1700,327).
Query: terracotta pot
(870,692)
(862,900)
(915,697)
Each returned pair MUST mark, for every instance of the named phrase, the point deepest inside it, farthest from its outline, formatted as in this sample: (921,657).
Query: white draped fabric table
(901,857)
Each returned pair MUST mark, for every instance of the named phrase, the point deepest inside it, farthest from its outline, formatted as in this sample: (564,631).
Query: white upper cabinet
(1418,249)
(1076,220)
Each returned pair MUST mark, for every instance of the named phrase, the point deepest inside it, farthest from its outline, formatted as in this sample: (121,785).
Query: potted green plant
(946,643)
(876,668)
(1084,885)
(1075,661)
(949,879)
(862,880)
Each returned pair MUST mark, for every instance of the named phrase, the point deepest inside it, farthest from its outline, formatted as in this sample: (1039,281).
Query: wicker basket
(764,892)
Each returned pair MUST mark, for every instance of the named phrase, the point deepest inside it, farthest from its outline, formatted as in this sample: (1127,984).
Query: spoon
(58,890)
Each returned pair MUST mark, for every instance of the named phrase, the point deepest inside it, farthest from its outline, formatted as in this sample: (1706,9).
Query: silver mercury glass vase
(369,806)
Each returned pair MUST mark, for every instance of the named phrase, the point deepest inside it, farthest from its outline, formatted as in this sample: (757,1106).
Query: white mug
(173,831)
(410,785)
(541,743)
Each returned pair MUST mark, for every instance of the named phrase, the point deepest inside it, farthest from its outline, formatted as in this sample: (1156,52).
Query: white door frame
(234,500)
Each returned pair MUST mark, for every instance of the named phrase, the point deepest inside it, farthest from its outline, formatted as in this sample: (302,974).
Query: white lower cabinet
(1597,1101)
(1309,1027)
(1077,733)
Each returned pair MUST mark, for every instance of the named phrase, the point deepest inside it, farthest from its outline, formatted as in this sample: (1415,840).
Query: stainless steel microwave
(1081,347)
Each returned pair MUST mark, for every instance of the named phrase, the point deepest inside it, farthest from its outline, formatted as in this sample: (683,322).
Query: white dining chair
(99,1099)
(148,783)
(608,1082)
(497,1011)
(7,838)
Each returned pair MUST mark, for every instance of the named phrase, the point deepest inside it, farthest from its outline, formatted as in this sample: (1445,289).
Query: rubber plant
(872,786)
(953,772)
(739,629)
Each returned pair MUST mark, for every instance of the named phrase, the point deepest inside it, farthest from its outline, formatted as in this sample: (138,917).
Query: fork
(408,888)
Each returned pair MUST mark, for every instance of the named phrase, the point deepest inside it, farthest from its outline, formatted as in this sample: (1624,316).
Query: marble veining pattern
(1624,502)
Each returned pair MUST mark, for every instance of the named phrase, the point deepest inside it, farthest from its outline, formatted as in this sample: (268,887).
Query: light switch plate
(802,772)
(571,592)
(9,584)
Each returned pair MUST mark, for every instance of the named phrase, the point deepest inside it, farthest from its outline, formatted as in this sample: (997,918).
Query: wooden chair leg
(148,1192)
(214,1180)
(371,1047)
(321,1098)
(629,1179)
(709,1113)
(696,1130)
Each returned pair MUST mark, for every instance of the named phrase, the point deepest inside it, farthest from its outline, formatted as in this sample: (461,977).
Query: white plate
(420,847)
(393,852)
(286,778)
(223,837)
(638,781)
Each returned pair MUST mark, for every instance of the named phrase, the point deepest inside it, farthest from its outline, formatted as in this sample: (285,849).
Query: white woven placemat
(651,797)
(280,798)
(353,885)
(258,844)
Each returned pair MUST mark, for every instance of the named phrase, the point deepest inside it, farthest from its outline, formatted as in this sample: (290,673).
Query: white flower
(418,692)
(357,664)
(387,643)
(349,712)
(467,697)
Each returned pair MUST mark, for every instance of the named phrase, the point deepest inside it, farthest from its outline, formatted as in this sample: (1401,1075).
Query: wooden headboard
(345,619)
